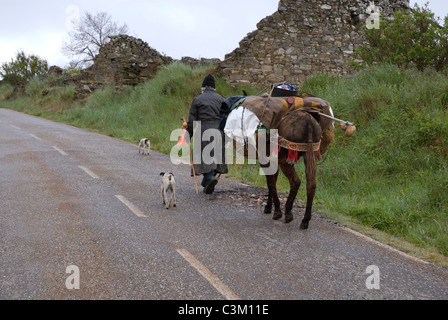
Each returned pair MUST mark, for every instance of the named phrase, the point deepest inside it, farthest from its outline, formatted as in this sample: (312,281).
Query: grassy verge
(152,109)
(392,176)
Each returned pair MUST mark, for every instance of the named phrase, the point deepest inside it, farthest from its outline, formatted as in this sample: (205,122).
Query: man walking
(205,109)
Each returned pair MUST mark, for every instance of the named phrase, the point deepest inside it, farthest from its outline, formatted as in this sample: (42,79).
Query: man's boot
(210,185)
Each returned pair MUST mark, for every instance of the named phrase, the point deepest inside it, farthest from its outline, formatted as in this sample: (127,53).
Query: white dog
(145,145)
(168,186)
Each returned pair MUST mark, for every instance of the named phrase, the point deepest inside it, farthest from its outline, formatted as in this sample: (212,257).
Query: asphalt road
(74,199)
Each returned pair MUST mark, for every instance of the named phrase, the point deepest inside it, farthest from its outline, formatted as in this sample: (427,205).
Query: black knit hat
(209,81)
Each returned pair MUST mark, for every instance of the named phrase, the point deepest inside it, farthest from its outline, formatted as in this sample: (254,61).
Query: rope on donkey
(295,147)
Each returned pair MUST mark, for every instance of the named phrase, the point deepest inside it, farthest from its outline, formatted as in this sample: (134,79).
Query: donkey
(301,135)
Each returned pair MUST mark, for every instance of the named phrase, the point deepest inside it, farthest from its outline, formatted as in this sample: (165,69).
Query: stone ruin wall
(124,61)
(303,37)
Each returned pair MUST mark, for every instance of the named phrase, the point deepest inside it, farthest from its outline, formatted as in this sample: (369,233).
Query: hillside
(391,176)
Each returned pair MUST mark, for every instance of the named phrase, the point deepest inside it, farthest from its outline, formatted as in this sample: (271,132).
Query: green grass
(151,110)
(6,91)
(392,175)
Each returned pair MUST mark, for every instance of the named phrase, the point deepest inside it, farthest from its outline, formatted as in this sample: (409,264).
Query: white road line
(60,151)
(89,172)
(131,207)
(385,246)
(208,275)
(35,137)
(15,127)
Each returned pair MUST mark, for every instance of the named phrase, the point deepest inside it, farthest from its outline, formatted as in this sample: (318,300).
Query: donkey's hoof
(277,215)
(304,225)
(267,210)
(289,218)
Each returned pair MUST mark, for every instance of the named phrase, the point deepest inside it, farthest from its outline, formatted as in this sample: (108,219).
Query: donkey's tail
(310,169)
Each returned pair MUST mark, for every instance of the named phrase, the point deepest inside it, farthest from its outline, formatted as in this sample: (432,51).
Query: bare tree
(89,34)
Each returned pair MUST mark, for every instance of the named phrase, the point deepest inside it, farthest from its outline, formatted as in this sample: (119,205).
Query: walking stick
(184,126)
(194,173)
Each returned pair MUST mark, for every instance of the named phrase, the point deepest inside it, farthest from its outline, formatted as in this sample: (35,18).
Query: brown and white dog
(144,145)
(168,189)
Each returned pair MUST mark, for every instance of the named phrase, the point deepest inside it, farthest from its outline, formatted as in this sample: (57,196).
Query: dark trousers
(207,178)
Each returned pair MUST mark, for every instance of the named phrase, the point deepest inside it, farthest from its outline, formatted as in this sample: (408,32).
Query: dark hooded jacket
(206,108)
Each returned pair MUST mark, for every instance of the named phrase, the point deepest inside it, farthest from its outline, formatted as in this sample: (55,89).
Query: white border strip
(131,207)
(385,246)
(208,275)
(15,127)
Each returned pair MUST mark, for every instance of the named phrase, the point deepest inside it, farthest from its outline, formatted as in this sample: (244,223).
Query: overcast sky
(177,28)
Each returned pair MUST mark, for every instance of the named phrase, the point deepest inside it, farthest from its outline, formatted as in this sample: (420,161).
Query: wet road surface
(71,198)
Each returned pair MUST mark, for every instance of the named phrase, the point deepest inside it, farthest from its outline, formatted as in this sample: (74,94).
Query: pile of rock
(124,61)
(192,62)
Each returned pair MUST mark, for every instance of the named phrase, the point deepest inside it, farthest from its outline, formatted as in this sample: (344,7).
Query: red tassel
(293,157)
(182,140)
(320,155)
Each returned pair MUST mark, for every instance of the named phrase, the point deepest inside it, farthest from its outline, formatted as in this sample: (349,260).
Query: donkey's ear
(162,173)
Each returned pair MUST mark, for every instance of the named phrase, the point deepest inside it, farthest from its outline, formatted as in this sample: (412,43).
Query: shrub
(6,91)
(412,38)
(23,68)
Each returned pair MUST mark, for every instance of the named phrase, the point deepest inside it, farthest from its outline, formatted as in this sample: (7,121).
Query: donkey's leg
(268,207)
(271,180)
(294,183)
(310,191)
(310,165)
